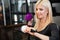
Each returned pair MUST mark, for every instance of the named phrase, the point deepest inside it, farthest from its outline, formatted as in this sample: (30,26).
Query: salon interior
(12,13)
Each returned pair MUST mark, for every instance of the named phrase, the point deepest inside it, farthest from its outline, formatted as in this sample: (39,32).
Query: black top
(51,31)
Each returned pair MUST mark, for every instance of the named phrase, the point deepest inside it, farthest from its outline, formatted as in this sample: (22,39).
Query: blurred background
(14,10)
(12,13)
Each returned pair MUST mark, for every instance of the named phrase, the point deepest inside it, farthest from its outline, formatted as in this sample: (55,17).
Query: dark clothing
(51,31)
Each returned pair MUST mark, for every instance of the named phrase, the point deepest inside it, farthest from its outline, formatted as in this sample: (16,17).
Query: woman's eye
(36,9)
(41,9)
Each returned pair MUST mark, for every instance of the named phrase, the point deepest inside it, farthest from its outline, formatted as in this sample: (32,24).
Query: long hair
(49,19)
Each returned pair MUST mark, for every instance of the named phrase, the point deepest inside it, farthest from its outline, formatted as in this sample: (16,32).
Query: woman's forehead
(40,6)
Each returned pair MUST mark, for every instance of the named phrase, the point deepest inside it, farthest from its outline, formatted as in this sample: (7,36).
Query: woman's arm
(38,35)
(41,36)
(54,34)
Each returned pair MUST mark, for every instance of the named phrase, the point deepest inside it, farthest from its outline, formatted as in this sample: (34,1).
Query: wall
(57,20)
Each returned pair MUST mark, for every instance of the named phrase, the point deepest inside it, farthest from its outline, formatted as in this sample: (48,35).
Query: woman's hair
(47,4)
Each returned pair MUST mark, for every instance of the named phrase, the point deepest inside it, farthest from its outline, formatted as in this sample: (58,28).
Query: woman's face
(41,11)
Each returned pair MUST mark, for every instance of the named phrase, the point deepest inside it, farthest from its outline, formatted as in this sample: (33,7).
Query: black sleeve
(54,32)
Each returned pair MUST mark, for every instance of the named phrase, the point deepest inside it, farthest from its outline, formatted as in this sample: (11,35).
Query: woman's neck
(43,20)
(41,24)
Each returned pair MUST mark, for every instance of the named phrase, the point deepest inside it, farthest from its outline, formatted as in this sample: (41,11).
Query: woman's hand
(31,33)
(25,29)
(29,30)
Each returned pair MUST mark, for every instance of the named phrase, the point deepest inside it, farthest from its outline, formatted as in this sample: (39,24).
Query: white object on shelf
(28,2)
(15,17)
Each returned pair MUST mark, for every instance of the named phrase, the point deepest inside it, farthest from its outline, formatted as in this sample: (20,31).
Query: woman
(45,27)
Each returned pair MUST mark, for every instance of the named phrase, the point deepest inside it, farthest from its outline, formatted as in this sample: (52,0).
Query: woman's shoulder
(53,26)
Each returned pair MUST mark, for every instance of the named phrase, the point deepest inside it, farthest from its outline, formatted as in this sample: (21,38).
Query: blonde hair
(49,19)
